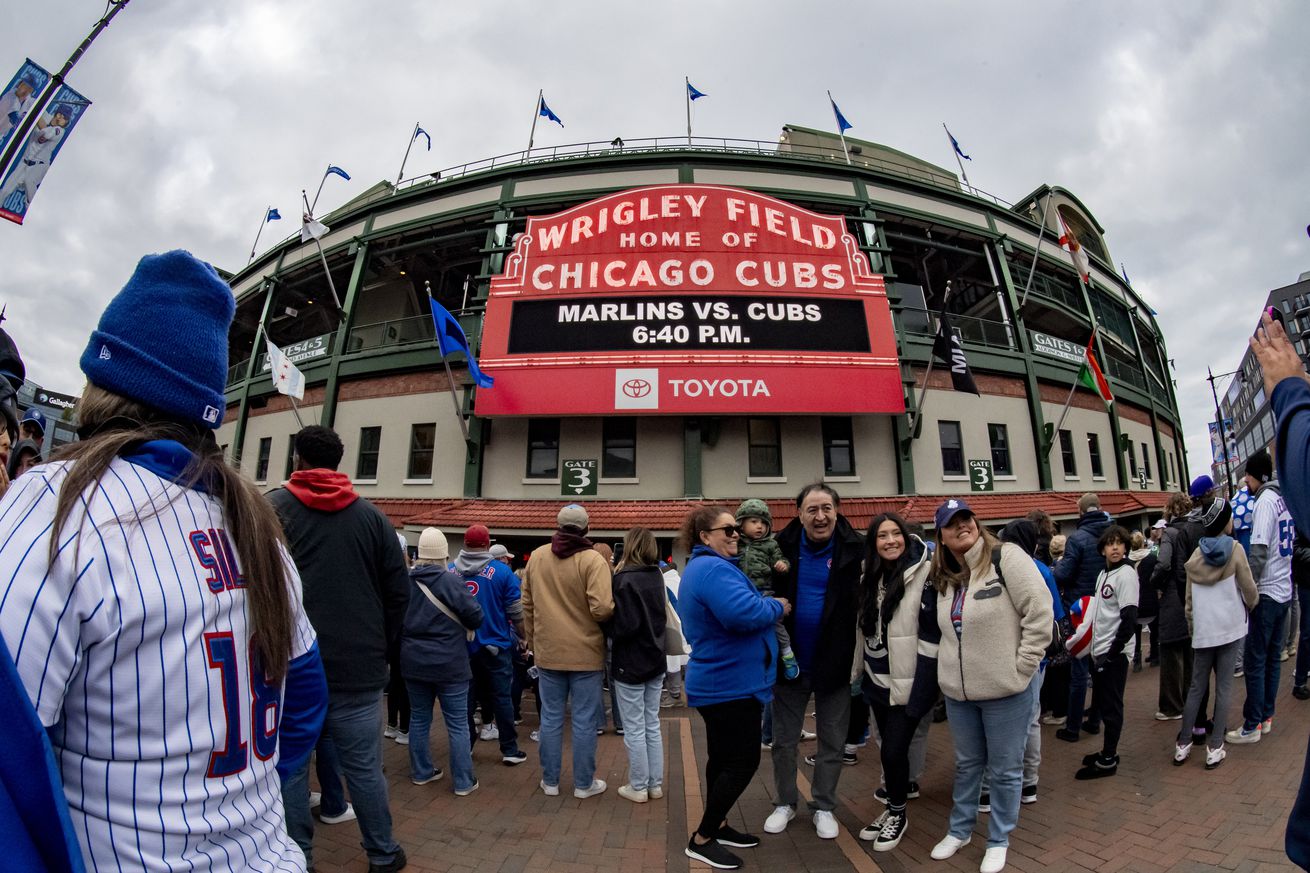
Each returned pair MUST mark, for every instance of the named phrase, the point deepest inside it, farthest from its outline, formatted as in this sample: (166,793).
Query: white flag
(286,378)
(312,228)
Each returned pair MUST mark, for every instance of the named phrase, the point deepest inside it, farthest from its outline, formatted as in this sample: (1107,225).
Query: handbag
(445,610)
(675,643)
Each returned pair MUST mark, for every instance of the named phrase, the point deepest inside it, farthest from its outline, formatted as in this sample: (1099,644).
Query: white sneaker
(777,821)
(655,792)
(402,738)
(1241,736)
(348,815)
(535,736)
(1267,725)
(993,860)
(597,786)
(825,824)
(315,799)
(948,847)
(636,795)
(807,735)
(1180,753)
(389,732)
(1214,757)
(489,732)
(549,790)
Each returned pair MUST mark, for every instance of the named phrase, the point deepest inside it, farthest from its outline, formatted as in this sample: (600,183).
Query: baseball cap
(1200,486)
(1160,524)
(573,516)
(499,552)
(432,545)
(34,415)
(949,510)
(477,537)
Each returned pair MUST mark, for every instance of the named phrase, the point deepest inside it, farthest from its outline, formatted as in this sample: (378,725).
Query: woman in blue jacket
(729,627)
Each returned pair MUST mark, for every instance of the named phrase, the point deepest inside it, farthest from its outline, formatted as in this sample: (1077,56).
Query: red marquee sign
(688,300)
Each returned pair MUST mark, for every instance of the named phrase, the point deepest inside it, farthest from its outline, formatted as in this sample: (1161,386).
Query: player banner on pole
(19,96)
(39,152)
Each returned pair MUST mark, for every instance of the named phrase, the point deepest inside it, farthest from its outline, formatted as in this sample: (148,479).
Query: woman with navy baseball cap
(149,605)
(995,615)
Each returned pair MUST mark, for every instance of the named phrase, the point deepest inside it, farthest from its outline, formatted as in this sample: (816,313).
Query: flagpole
(450,377)
(296,409)
(322,257)
(957,158)
(686,93)
(1036,251)
(536,113)
(932,359)
(255,244)
(841,133)
(405,159)
(1055,434)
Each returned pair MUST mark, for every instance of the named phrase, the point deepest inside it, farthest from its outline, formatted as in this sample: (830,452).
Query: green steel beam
(328,415)
(1034,390)
(691,458)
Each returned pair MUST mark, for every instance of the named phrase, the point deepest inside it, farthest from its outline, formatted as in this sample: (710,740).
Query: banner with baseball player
(19,96)
(38,153)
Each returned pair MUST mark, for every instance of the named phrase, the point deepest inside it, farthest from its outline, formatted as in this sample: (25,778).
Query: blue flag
(337,171)
(1124,273)
(273,215)
(419,130)
(451,338)
(955,144)
(842,124)
(693,93)
(546,113)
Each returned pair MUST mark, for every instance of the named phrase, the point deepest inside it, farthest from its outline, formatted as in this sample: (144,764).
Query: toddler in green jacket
(761,557)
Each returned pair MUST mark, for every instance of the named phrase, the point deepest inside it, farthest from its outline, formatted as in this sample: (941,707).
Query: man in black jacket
(1075,574)
(824,552)
(356,589)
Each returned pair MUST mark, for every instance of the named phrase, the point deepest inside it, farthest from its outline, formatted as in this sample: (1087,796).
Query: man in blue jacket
(1288,388)
(1076,574)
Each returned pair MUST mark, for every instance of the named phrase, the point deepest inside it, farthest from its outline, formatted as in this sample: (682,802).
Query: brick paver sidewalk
(1152,816)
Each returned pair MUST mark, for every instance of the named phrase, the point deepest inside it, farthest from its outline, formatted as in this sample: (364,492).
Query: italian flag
(1090,376)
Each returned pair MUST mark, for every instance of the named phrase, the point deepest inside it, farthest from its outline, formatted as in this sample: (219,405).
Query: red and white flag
(287,379)
(1075,250)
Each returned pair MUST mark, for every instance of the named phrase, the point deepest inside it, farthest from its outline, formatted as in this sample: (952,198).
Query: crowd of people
(179,650)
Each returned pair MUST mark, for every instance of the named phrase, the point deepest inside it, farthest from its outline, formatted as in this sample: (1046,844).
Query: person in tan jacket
(567,593)
(1220,594)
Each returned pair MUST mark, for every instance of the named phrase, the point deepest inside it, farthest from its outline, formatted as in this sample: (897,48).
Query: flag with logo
(1070,242)
(946,348)
(1091,376)
(451,338)
(39,152)
(19,96)
(287,378)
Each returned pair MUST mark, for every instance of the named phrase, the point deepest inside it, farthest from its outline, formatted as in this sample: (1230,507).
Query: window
(1066,453)
(370,442)
(1132,461)
(619,452)
(764,439)
(291,457)
(543,448)
(948,434)
(1094,449)
(261,465)
(1000,442)
(422,441)
(838,447)
(1146,461)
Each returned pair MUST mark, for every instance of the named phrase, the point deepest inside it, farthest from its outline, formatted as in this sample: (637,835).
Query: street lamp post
(1219,423)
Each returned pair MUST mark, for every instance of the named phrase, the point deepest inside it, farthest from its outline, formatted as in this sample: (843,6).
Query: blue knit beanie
(163,340)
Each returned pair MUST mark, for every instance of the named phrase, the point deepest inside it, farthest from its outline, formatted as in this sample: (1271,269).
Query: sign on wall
(688,299)
(579,477)
(305,350)
(980,476)
(1054,347)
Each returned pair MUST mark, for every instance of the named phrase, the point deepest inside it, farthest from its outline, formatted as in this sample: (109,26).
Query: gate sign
(980,476)
(688,299)
(579,476)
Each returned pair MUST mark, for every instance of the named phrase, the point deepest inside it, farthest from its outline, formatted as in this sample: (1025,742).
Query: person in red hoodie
(356,590)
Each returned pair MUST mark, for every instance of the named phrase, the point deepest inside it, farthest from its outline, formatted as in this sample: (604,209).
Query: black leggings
(1108,699)
(397,701)
(897,730)
(732,733)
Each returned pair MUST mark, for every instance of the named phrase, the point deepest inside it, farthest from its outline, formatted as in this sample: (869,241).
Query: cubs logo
(636,388)
(472,586)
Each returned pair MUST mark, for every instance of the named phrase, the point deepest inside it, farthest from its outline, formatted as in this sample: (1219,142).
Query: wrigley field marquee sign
(688,299)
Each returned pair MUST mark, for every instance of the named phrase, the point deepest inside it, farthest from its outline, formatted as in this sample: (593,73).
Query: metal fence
(972,330)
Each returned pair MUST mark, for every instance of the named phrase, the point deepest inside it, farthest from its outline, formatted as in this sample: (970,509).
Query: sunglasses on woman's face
(728,530)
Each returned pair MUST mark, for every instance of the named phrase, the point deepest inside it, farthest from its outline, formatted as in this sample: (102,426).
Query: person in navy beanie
(174,358)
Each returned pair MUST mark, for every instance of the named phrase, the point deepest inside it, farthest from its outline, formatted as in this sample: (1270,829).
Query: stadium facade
(670,321)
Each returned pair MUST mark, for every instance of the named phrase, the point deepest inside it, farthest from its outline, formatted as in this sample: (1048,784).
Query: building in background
(58,410)
(820,283)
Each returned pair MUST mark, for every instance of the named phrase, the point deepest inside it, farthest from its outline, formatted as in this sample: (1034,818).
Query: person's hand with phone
(1275,352)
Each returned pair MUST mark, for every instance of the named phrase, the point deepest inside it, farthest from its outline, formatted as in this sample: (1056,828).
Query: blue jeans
(1264,645)
(327,766)
(641,720)
(495,673)
(989,734)
(1080,678)
(1302,671)
(354,727)
(455,710)
(556,687)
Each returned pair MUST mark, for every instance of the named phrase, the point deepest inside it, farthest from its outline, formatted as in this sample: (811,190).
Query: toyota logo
(636,387)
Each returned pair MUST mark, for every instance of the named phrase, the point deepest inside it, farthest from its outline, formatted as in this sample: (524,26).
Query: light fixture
(402,272)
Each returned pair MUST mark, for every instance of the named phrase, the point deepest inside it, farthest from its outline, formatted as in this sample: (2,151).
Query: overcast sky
(1181,125)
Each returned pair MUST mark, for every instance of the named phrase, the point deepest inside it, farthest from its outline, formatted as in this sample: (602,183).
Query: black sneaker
(1091,728)
(1098,769)
(1301,692)
(729,836)
(1089,760)
(1067,735)
(511,759)
(847,758)
(397,863)
(985,802)
(882,797)
(711,853)
(890,828)
(1029,794)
